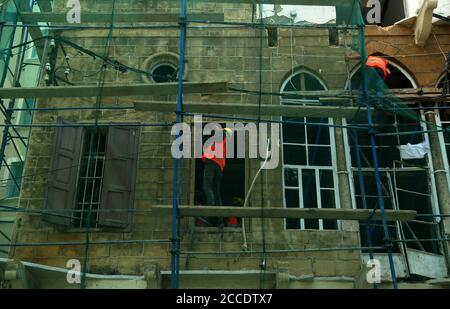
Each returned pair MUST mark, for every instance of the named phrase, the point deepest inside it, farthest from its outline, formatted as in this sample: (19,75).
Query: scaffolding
(369,96)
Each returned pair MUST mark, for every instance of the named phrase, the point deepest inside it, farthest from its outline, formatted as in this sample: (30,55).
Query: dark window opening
(333,37)
(90,179)
(405,183)
(377,234)
(272,36)
(232,186)
(164,73)
(397,80)
(409,189)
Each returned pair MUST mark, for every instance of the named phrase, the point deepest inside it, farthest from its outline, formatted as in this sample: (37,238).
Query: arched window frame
(350,153)
(316,168)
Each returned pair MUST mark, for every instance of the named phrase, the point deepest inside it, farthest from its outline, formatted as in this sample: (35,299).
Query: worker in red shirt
(214,166)
(377,79)
(380,65)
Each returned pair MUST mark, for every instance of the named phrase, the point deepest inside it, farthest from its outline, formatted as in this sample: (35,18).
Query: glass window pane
(293,84)
(327,199)
(291,177)
(330,224)
(312,224)
(319,156)
(310,196)
(292,201)
(326,179)
(318,135)
(294,155)
(328,202)
(312,83)
(309,189)
(293,133)
(293,224)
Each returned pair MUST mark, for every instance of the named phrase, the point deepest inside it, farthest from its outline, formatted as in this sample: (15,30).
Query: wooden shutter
(119,176)
(64,174)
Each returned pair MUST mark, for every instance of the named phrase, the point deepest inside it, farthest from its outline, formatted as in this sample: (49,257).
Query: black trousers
(212,179)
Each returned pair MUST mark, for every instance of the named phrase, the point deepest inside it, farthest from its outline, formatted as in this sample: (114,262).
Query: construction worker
(380,65)
(213,171)
(376,81)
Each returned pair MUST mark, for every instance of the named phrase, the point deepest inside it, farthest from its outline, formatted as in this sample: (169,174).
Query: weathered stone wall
(213,55)
(425,64)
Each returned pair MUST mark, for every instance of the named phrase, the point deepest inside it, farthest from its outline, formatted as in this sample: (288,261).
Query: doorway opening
(232,187)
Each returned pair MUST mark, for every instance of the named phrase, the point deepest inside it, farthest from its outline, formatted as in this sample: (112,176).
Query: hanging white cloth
(418,151)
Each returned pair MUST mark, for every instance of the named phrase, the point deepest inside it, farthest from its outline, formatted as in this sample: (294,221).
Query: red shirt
(220,148)
(378,63)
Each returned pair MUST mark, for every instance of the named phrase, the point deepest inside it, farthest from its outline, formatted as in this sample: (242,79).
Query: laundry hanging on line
(417,151)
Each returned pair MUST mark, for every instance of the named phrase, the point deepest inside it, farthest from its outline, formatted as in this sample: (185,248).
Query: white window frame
(316,168)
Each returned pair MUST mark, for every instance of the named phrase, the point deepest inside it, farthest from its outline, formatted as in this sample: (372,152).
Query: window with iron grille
(90,178)
(93,177)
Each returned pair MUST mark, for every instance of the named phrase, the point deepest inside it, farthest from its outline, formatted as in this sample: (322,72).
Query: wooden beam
(287,2)
(118,18)
(250,109)
(292,213)
(342,97)
(111,90)
(36,34)
(355,93)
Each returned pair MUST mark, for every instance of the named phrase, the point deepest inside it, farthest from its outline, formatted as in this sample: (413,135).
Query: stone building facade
(293,59)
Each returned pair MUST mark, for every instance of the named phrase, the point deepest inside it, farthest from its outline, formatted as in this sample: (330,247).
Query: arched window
(310,180)
(398,175)
(399,78)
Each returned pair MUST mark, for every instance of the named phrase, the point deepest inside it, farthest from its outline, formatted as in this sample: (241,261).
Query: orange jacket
(379,63)
(216,147)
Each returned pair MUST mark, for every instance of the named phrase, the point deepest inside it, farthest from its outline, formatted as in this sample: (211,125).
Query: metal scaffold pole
(380,201)
(176,194)
(7,110)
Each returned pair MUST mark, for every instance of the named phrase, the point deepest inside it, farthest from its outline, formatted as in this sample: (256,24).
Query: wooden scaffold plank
(291,213)
(251,109)
(98,17)
(112,90)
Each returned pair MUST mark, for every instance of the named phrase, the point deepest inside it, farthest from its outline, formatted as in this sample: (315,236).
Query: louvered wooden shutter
(119,177)
(63,176)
